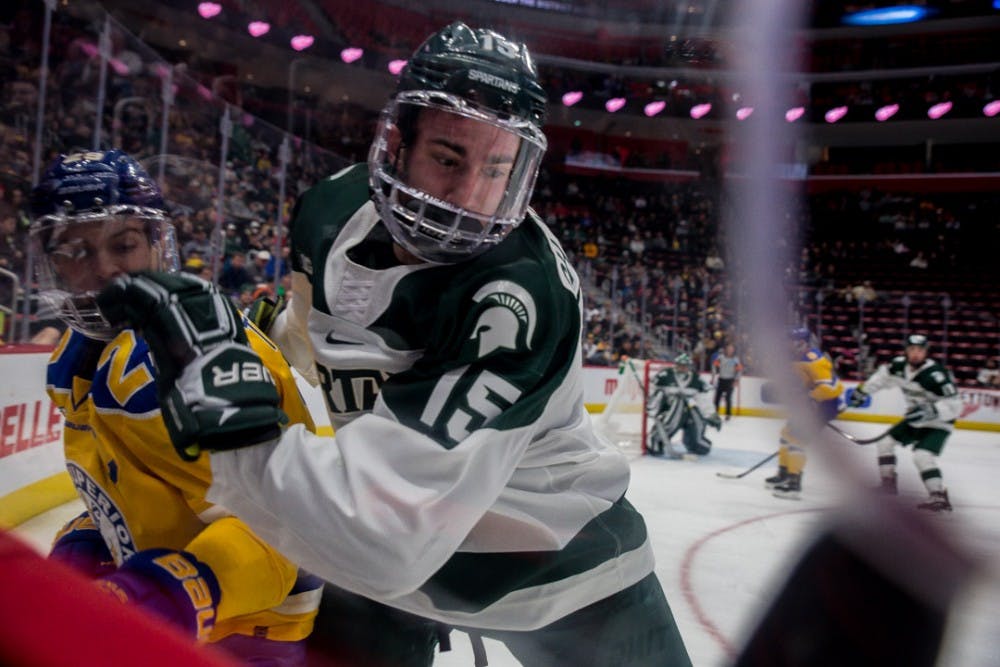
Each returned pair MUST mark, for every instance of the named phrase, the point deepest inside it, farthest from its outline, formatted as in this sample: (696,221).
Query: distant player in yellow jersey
(148,536)
(824,389)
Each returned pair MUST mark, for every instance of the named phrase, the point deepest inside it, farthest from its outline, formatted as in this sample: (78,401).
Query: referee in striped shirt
(726,368)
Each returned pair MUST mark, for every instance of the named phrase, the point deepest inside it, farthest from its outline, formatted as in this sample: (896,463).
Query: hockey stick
(748,470)
(855,439)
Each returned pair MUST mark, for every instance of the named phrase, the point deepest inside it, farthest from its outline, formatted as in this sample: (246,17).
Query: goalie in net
(652,402)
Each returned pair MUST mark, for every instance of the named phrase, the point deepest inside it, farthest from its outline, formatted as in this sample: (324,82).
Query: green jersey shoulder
(320,214)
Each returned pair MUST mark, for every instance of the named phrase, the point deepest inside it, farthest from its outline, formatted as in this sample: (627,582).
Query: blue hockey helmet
(799,334)
(96,214)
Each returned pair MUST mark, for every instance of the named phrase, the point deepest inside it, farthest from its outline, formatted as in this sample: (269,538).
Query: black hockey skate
(938,502)
(790,489)
(775,480)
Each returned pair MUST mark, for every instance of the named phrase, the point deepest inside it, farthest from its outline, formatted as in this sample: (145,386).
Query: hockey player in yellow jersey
(824,388)
(148,535)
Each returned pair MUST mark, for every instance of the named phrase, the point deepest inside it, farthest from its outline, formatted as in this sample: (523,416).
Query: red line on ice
(687,565)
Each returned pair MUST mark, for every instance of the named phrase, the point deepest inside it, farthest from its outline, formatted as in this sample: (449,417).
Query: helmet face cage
(69,248)
(425,223)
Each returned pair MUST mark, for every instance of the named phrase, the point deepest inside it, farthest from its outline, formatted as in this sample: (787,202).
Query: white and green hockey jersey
(931,383)
(465,482)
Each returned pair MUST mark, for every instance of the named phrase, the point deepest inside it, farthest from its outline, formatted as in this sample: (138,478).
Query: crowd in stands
(652,255)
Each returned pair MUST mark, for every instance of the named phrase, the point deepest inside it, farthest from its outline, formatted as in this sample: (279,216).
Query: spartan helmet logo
(509,309)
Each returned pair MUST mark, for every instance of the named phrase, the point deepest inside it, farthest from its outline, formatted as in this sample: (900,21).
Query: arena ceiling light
(883,114)
(258,28)
(351,54)
(993,108)
(302,42)
(209,10)
(571,98)
(835,114)
(700,110)
(614,104)
(938,110)
(794,114)
(888,15)
(743,113)
(654,108)
(396,66)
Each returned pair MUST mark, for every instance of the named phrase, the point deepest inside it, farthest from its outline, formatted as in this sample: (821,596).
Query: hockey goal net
(624,420)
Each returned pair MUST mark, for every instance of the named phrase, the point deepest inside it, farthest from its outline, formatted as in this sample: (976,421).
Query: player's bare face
(89,255)
(916,355)
(462,161)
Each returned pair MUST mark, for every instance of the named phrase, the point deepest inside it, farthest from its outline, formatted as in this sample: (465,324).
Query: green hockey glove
(857,397)
(215,391)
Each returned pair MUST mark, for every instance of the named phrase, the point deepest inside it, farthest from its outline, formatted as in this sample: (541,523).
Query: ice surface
(724,546)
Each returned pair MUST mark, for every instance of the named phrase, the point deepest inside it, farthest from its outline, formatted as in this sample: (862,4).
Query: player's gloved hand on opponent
(172,584)
(79,544)
(857,398)
(214,389)
(264,311)
(921,413)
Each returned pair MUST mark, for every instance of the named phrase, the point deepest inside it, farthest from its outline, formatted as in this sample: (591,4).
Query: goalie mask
(458,148)
(96,215)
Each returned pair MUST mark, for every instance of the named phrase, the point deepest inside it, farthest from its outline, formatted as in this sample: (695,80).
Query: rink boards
(33,478)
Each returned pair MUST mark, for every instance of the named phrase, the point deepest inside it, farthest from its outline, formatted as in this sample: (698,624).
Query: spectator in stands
(235,274)
(919,261)
(234,241)
(989,375)
(260,260)
(198,244)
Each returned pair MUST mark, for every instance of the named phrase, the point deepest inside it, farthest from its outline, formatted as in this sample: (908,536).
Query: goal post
(624,420)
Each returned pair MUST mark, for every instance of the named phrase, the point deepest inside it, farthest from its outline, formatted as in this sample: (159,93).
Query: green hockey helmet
(683,359)
(458,147)
(918,340)
(480,66)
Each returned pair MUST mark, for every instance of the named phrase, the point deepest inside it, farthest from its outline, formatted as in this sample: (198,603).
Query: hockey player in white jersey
(932,406)
(465,483)
(681,400)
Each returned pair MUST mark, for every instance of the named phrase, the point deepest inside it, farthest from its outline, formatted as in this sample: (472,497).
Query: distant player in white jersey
(465,483)
(932,406)
(681,400)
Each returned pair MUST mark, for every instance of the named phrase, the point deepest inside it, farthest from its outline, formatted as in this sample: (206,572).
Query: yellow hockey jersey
(816,371)
(141,495)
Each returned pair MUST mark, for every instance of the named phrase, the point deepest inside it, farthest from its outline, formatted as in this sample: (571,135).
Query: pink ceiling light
(794,114)
(938,110)
(992,109)
(351,53)
(883,114)
(699,110)
(302,42)
(120,68)
(835,114)
(654,108)
(396,66)
(209,9)
(571,98)
(259,28)
(614,104)
(743,113)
